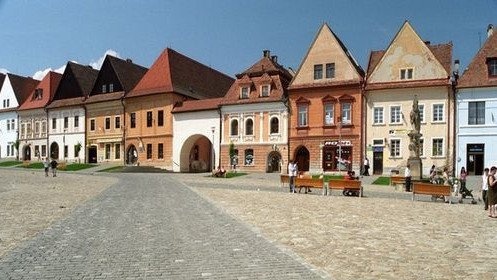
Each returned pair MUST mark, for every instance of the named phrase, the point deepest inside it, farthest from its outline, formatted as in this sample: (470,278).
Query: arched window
(234,127)
(249,127)
(275,125)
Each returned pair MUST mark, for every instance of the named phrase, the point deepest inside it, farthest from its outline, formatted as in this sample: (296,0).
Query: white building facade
(67,134)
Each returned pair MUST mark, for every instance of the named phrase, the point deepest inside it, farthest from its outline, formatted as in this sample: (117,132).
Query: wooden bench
(430,189)
(284,180)
(397,180)
(346,185)
(308,182)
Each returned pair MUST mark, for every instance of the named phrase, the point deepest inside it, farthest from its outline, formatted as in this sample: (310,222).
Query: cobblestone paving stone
(149,226)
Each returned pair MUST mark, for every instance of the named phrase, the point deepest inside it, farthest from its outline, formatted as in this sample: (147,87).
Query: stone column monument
(414,144)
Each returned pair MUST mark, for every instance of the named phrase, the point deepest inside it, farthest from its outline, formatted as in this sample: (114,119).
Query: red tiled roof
(48,86)
(476,74)
(197,105)
(22,86)
(174,72)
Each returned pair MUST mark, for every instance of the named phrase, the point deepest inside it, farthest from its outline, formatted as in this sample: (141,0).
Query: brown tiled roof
(48,86)
(408,84)
(2,78)
(22,86)
(111,96)
(442,52)
(128,73)
(197,105)
(67,102)
(264,71)
(174,72)
(477,73)
(75,85)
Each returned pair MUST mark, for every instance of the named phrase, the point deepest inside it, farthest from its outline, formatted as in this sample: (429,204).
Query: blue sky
(227,35)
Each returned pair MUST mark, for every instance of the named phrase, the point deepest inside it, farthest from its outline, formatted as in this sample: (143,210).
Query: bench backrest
(427,188)
(308,182)
(284,178)
(338,183)
(397,179)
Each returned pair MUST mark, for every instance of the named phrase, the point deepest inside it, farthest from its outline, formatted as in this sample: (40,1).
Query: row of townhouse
(328,115)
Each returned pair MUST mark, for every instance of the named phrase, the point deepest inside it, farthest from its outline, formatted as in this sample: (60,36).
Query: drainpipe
(48,136)
(124,130)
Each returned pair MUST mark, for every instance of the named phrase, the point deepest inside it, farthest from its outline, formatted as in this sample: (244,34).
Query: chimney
(427,43)
(266,53)
(490,30)
(274,58)
(129,60)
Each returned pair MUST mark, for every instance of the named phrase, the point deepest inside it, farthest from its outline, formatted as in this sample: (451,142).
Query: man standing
(366,167)
(45,165)
(407,175)
(53,165)
(292,173)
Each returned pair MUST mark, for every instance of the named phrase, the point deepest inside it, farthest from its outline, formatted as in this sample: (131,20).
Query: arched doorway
(26,153)
(302,158)
(131,155)
(54,150)
(273,162)
(197,154)
(92,154)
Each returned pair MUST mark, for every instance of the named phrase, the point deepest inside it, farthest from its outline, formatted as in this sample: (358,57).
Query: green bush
(10,163)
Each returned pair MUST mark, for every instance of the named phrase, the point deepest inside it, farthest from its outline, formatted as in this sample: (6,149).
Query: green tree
(16,146)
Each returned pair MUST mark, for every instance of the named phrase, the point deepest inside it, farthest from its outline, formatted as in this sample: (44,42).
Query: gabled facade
(66,114)
(14,90)
(105,109)
(254,118)
(33,123)
(409,67)
(172,78)
(326,107)
(476,100)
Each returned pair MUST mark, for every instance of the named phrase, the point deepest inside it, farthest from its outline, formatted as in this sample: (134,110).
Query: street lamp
(213,129)
(64,143)
(339,125)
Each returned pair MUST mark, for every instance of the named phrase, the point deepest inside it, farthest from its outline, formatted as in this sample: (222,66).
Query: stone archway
(26,152)
(302,157)
(196,154)
(131,155)
(273,162)
(54,150)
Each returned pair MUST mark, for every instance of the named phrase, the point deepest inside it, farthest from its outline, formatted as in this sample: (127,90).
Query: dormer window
(492,67)
(265,90)
(318,71)
(244,94)
(104,88)
(330,70)
(406,74)
(38,93)
(111,87)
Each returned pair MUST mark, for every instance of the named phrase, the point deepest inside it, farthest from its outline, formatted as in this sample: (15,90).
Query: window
(328,114)
(406,74)
(160,118)
(302,120)
(438,112)
(244,93)
(76,121)
(437,147)
(111,87)
(92,125)
(43,128)
(76,151)
(8,102)
(66,122)
(23,131)
(149,119)
(107,151)
(249,127)
(133,120)
(149,151)
(28,130)
(346,113)
(275,125)
(54,123)
(234,127)
(249,157)
(330,70)
(395,115)
(66,151)
(104,88)
(8,146)
(492,66)
(117,122)
(43,150)
(4,105)
(13,124)
(265,91)
(37,129)
(37,151)
(378,115)
(421,108)
(107,123)
(117,151)
(318,71)
(476,114)
(38,93)
(160,151)
(395,148)
(421,147)
(8,125)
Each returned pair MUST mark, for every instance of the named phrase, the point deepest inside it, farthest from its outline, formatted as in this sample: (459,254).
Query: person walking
(53,165)
(462,179)
(46,166)
(366,167)
(484,187)
(492,192)
(407,175)
(292,173)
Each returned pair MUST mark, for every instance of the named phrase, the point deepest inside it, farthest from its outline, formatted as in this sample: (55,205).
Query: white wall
(70,136)
(7,137)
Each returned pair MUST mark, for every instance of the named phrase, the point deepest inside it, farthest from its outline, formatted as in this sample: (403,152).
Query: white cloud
(4,71)
(98,63)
